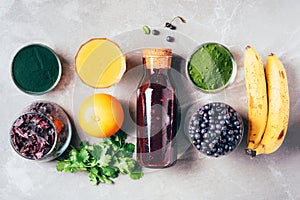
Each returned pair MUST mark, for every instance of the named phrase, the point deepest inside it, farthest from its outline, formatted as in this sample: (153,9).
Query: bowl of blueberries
(215,129)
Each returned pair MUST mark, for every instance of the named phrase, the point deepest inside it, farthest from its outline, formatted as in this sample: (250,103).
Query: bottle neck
(157,62)
(163,71)
(156,70)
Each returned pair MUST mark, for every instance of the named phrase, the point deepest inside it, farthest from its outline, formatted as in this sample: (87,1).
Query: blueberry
(195,123)
(223,133)
(218,109)
(201,112)
(230,139)
(172,27)
(211,145)
(227,117)
(224,128)
(233,118)
(215,141)
(210,112)
(170,39)
(226,147)
(206,135)
(236,123)
(207,141)
(202,125)
(197,136)
(155,32)
(213,135)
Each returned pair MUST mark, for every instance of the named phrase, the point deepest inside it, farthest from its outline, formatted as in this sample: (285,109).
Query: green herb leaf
(129,147)
(83,155)
(84,144)
(94,176)
(135,175)
(110,171)
(62,165)
(125,165)
(96,151)
(73,155)
(104,160)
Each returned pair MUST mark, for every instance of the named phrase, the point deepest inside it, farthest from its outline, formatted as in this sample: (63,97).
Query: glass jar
(42,131)
(156,111)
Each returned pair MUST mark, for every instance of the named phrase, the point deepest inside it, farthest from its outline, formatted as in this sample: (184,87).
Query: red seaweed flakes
(32,135)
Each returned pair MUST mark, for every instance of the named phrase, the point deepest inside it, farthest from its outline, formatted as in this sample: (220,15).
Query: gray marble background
(269,26)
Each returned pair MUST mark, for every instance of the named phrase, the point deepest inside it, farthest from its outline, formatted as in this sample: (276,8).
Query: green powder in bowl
(211,67)
(36,69)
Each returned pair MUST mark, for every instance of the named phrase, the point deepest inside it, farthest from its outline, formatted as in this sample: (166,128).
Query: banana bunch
(268,103)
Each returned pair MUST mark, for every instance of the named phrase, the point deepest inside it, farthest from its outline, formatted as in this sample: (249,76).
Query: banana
(257,98)
(278,114)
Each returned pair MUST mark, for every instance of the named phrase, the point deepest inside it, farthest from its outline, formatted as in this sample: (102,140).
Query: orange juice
(100,63)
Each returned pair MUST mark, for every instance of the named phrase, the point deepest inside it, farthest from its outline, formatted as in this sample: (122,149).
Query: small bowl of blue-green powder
(36,69)
(211,67)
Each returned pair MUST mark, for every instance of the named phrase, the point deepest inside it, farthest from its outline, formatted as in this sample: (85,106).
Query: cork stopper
(157,58)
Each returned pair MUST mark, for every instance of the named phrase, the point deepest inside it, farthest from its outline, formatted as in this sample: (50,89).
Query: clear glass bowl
(47,56)
(217,74)
(214,129)
(42,114)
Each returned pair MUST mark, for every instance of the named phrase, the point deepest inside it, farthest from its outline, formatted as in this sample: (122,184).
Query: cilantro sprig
(103,161)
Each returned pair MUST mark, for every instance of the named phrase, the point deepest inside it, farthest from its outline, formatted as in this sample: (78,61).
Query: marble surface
(269,26)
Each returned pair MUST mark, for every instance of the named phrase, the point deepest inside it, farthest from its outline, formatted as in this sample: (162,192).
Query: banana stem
(250,152)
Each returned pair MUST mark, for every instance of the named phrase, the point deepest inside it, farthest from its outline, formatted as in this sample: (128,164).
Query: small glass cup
(226,84)
(55,118)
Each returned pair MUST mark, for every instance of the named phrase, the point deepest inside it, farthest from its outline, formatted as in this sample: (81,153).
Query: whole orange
(100,115)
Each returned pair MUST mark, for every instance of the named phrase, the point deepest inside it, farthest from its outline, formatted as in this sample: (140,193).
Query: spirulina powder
(210,67)
(36,69)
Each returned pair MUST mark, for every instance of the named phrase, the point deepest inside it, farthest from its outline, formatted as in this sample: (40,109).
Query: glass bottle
(156,111)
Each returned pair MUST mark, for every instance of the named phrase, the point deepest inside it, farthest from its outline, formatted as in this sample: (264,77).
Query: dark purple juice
(156,120)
